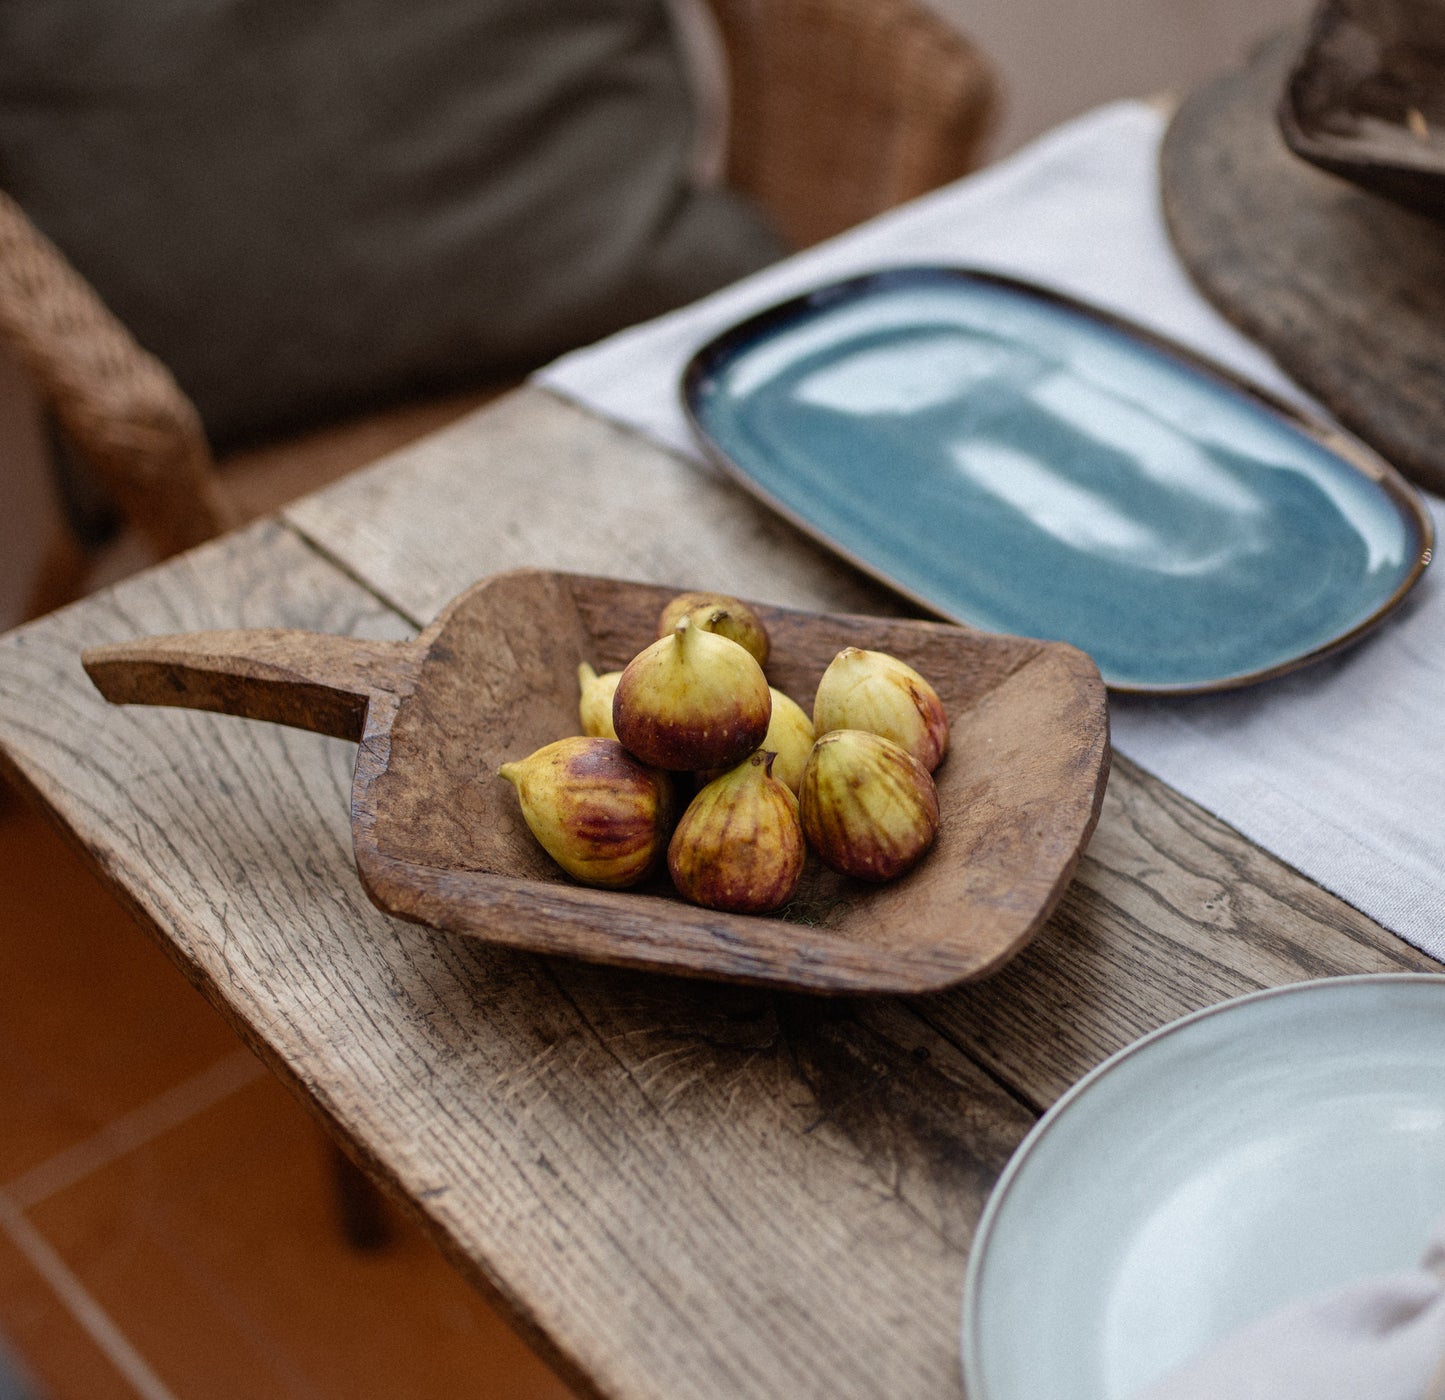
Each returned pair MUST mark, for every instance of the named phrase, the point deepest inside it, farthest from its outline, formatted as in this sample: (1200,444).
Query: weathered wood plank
(1171,911)
(678,1189)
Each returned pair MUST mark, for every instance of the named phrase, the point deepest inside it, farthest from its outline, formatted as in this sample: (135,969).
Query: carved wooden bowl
(440,840)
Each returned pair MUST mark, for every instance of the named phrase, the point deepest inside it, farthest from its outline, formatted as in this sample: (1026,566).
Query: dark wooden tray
(1345,289)
(1366,98)
(439,838)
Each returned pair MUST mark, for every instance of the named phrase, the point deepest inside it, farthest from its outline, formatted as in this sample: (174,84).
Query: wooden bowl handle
(309,680)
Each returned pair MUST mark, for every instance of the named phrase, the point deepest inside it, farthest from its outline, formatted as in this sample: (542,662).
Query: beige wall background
(1056,58)
(1059,58)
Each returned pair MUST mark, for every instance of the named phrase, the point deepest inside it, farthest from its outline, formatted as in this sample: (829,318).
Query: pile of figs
(693,713)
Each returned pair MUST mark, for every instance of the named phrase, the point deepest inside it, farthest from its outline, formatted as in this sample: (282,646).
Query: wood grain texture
(533,482)
(1343,288)
(614,1155)
(309,680)
(1171,911)
(438,837)
(679,1189)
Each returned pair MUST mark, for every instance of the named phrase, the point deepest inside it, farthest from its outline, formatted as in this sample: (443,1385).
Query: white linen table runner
(1339,769)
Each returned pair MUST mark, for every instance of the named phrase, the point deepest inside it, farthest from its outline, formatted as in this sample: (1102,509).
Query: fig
(739,845)
(867,806)
(790,738)
(601,815)
(719,612)
(594,704)
(877,692)
(692,701)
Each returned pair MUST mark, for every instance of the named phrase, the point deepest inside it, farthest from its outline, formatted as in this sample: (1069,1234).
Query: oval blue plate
(1016,461)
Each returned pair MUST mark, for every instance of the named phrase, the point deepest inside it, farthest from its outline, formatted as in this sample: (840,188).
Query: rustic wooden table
(677,1189)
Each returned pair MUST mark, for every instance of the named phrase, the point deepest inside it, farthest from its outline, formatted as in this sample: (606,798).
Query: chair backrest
(844,108)
(114,402)
(839,109)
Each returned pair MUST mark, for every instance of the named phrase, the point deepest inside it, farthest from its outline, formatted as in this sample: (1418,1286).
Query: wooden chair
(839,109)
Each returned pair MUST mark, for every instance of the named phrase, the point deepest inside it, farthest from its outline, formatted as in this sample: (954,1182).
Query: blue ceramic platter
(1018,462)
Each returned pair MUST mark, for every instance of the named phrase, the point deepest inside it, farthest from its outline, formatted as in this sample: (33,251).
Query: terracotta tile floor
(167,1226)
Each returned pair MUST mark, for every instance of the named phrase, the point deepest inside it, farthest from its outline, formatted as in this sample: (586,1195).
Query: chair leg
(360,1206)
(59,576)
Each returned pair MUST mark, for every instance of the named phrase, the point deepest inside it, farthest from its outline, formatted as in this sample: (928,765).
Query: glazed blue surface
(1016,464)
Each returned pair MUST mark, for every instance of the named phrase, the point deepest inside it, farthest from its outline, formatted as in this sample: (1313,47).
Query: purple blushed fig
(692,701)
(877,692)
(868,807)
(739,845)
(789,739)
(594,704)
(599,813)
(718,612)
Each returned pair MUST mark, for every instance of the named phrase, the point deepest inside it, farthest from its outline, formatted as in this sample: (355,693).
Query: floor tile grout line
(96,1322)
(133,1130)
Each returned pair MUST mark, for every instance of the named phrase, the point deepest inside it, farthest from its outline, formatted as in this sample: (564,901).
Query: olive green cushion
(308,207)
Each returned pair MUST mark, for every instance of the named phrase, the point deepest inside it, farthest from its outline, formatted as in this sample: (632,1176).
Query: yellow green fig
(594,704)
(877,692)
(790,737)
(721,613)
(601,815)
(868,807)
(692,701)
(739,845)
